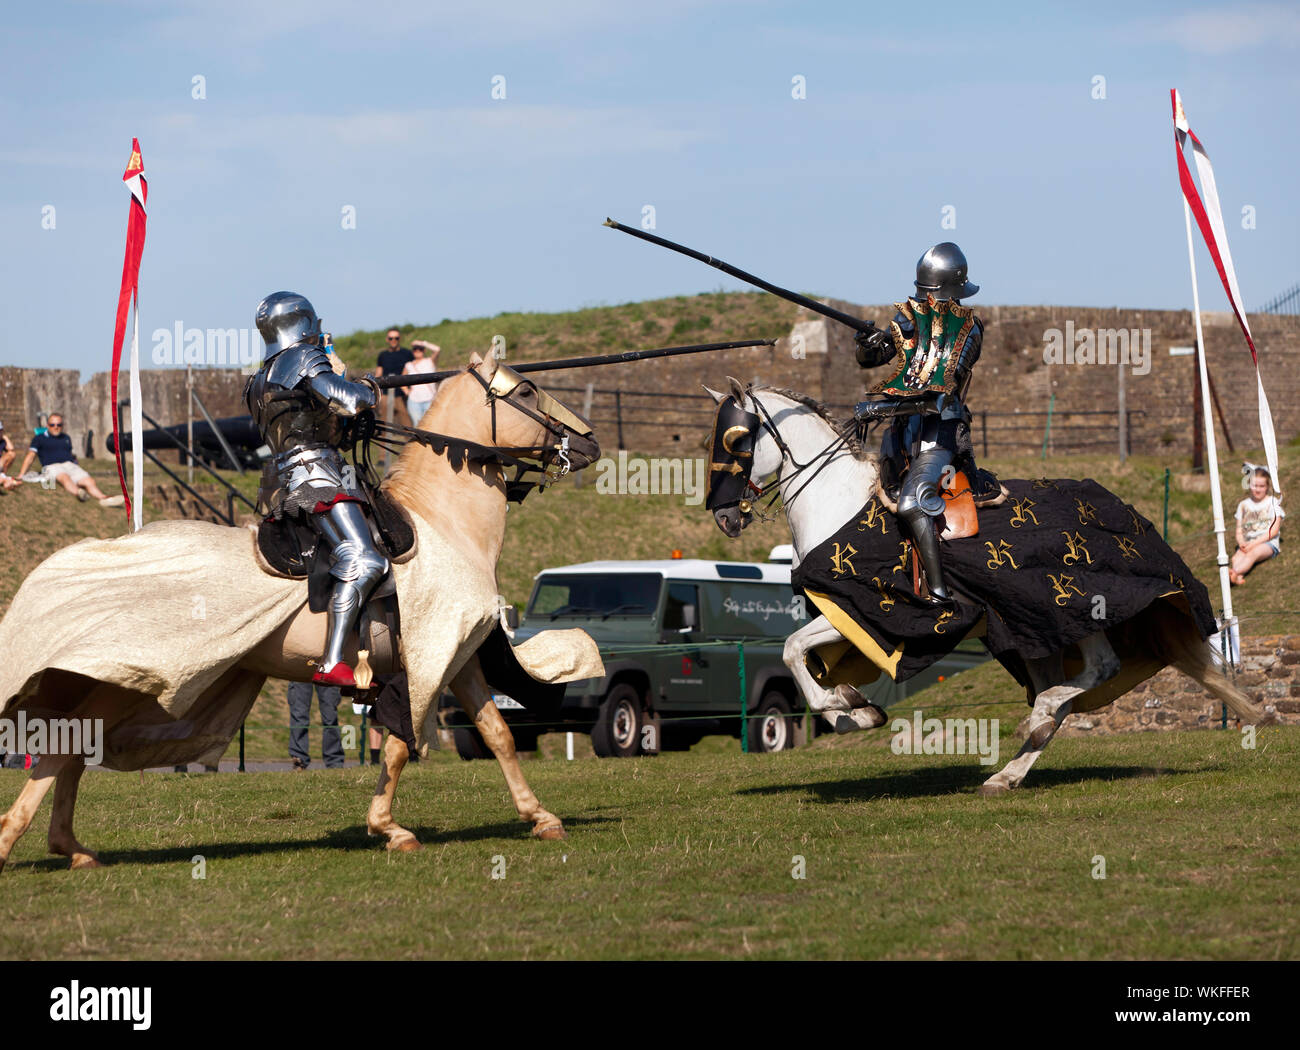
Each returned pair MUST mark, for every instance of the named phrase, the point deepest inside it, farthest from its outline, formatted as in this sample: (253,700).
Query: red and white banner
(1209,219)
(135,229)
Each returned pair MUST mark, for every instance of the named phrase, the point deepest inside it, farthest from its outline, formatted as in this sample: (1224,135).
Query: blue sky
(468,205)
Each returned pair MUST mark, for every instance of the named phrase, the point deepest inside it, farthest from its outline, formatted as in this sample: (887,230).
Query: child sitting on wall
(1259,526)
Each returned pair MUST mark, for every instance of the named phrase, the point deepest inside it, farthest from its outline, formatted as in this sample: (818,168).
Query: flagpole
(137,426)
(1211,445)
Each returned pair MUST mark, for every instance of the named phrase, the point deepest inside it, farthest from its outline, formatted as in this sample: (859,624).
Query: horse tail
(1193,656)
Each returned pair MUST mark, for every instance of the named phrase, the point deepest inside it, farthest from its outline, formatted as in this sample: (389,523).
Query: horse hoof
(992,790)
(850,696)
(1039,737)
(407,844)
(85,860)
(551,833)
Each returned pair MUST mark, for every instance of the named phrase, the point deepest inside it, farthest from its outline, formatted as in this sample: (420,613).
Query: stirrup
(340,674)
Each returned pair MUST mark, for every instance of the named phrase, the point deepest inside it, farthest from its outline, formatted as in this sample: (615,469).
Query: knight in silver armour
(935,342)
(301,406)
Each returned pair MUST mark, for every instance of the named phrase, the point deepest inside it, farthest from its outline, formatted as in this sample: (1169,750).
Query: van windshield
(591,594)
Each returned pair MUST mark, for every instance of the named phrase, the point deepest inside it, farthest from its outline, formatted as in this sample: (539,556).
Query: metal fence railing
(1287,302)
(640,418)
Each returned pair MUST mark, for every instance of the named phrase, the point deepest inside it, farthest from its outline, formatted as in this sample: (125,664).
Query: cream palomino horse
(168,692)
(839,480)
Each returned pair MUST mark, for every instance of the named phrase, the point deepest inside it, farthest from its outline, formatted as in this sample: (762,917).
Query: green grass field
(690,856)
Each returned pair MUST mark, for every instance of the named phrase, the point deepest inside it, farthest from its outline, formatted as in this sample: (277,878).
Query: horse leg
(61,839)
(475,699)
(844,708)
(1052,702)
(379,820)
(107,704)
(1050,708)
(19,817)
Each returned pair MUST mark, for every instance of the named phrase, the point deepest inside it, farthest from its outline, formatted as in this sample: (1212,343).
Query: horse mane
(409,479)
(841,426)
(406,482)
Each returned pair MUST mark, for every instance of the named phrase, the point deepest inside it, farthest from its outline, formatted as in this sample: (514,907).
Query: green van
(670,634)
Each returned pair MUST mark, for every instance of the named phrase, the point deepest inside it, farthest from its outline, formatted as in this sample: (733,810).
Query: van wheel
(469,744)
(770,728)
(617,732)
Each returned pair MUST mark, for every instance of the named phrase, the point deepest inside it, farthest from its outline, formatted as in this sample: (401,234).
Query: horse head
(763,437)
(520,418)
(740,448)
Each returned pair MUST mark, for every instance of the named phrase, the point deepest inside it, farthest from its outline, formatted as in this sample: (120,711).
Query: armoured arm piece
(308,366)
(888,409)
(877,347)
(344,397)
(967,356)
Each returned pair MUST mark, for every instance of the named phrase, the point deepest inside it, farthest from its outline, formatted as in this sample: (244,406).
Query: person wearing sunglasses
(59,462)
(391,362)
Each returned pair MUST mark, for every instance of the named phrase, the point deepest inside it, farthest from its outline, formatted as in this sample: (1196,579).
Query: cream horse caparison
(465,507)
(839,481)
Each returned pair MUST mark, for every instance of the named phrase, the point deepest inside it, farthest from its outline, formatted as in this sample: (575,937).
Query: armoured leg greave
(918,503)
(356,567)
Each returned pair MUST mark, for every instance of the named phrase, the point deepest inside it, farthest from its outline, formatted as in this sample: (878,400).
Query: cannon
(240,432)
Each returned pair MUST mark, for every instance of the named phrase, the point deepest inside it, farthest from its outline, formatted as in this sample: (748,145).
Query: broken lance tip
(609,222)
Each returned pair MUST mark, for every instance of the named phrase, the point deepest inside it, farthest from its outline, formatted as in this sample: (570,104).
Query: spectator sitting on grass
(7,454)
(55,451)
(1259,527)
(7,451)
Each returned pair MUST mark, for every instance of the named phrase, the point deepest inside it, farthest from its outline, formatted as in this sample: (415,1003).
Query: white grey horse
(824,481)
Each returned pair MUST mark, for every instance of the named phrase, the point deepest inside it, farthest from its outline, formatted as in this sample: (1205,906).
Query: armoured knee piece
(356,567)
(918,503)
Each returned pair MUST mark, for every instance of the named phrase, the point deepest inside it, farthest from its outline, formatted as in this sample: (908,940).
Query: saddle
(291,549)
(962,497)
(960,517)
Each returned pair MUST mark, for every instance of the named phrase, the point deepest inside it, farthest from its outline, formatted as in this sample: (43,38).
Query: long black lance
(386,382)
(855,323)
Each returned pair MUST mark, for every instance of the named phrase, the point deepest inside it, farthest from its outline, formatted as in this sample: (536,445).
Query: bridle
(550,459)
(727,459)
(559,421)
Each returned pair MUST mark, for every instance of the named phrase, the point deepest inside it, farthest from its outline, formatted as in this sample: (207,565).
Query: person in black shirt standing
(60,463)
(391,362)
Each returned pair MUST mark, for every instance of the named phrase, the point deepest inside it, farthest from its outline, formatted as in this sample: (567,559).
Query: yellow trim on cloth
(850,629)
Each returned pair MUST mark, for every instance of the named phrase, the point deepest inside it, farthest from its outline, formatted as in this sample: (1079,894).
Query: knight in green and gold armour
(932,343)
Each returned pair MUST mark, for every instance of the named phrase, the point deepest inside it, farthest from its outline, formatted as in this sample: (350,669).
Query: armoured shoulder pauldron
(290,367)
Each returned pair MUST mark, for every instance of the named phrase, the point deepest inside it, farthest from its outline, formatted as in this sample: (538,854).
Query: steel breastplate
(304,437)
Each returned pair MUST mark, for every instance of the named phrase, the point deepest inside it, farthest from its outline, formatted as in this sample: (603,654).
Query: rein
(825,456)
(392,436)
